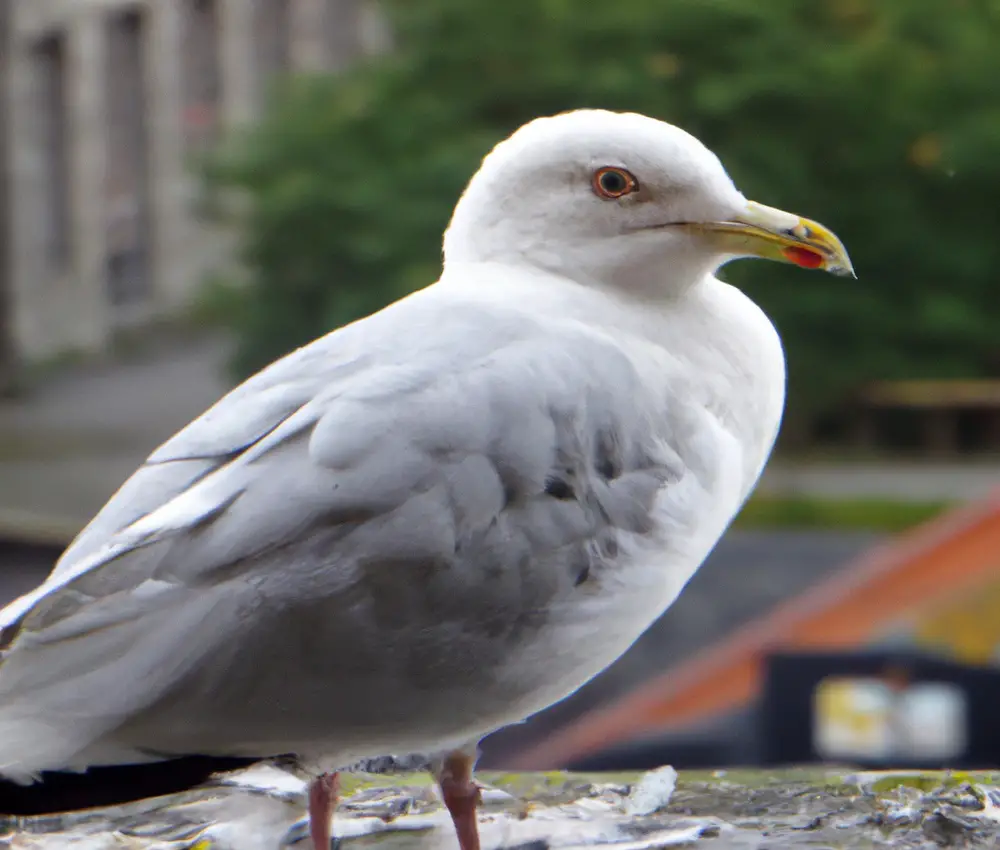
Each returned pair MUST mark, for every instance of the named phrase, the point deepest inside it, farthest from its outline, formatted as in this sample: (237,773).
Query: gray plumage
(437,520)
(349,522)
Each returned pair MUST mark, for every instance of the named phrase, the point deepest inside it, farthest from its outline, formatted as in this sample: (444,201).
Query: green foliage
(880,118)
(764,511)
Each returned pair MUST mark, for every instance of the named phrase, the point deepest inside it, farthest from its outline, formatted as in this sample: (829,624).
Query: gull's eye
(613,182)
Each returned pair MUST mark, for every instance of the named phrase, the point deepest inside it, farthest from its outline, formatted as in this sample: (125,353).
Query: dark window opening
(50,112)
(272,43)
(201,73)
(343,23)
(128,225)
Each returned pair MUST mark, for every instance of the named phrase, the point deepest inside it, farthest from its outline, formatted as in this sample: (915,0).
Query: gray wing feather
(505,459)
(239,420)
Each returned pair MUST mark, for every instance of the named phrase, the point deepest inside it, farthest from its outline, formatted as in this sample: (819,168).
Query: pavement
(927,481)
(68,446)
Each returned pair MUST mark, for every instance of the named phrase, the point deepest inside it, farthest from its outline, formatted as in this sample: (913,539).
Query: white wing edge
(15,610)
(186,509)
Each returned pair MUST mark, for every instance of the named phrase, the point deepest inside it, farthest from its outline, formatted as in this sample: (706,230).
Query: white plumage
(449,515)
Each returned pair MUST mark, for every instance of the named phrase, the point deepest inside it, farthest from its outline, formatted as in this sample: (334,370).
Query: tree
(876,118)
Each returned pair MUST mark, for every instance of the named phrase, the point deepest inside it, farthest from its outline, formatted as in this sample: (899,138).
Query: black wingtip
(111,786)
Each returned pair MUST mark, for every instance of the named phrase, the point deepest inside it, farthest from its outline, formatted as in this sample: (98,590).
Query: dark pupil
(613,182)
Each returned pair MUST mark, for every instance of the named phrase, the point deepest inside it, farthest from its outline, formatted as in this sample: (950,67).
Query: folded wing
(487,446)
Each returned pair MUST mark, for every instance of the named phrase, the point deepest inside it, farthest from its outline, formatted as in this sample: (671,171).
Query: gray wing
(239,420)
(381,471)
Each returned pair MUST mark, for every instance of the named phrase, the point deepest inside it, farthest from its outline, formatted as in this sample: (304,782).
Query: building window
(343,25)
(128,211)
(272,42)
(201,70)
(53,127)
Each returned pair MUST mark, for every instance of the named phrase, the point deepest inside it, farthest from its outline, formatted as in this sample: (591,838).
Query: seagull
(435,521)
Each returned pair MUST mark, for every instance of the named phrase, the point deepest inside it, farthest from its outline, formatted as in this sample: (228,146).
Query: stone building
(103,102)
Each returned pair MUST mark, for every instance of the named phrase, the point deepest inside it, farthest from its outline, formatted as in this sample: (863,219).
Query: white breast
(729,380)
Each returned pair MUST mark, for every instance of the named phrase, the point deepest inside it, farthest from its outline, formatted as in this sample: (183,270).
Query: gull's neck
(638,311)
(631,265)
(710,328)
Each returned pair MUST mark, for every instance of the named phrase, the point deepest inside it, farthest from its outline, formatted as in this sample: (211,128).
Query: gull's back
(419,528)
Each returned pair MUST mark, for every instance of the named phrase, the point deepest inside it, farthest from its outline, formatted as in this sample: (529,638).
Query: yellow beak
(774,234)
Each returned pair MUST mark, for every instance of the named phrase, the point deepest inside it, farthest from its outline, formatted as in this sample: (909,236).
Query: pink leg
(461,797)
(322,801)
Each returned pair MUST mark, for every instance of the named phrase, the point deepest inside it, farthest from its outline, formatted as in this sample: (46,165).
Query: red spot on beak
(803,257)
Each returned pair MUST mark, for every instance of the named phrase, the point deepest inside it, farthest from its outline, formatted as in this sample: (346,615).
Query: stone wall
(108,100)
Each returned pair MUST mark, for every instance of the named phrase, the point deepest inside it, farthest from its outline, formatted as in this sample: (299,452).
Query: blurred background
(191,188)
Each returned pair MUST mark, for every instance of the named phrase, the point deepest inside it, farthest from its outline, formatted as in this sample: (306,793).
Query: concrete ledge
(263,807)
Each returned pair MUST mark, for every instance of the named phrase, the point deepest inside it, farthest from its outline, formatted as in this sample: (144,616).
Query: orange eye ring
(612,183)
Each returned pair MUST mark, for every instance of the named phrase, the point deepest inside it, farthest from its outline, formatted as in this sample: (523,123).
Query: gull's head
(623,200)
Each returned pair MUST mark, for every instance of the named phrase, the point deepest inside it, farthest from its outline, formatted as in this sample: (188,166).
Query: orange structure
(938,584)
